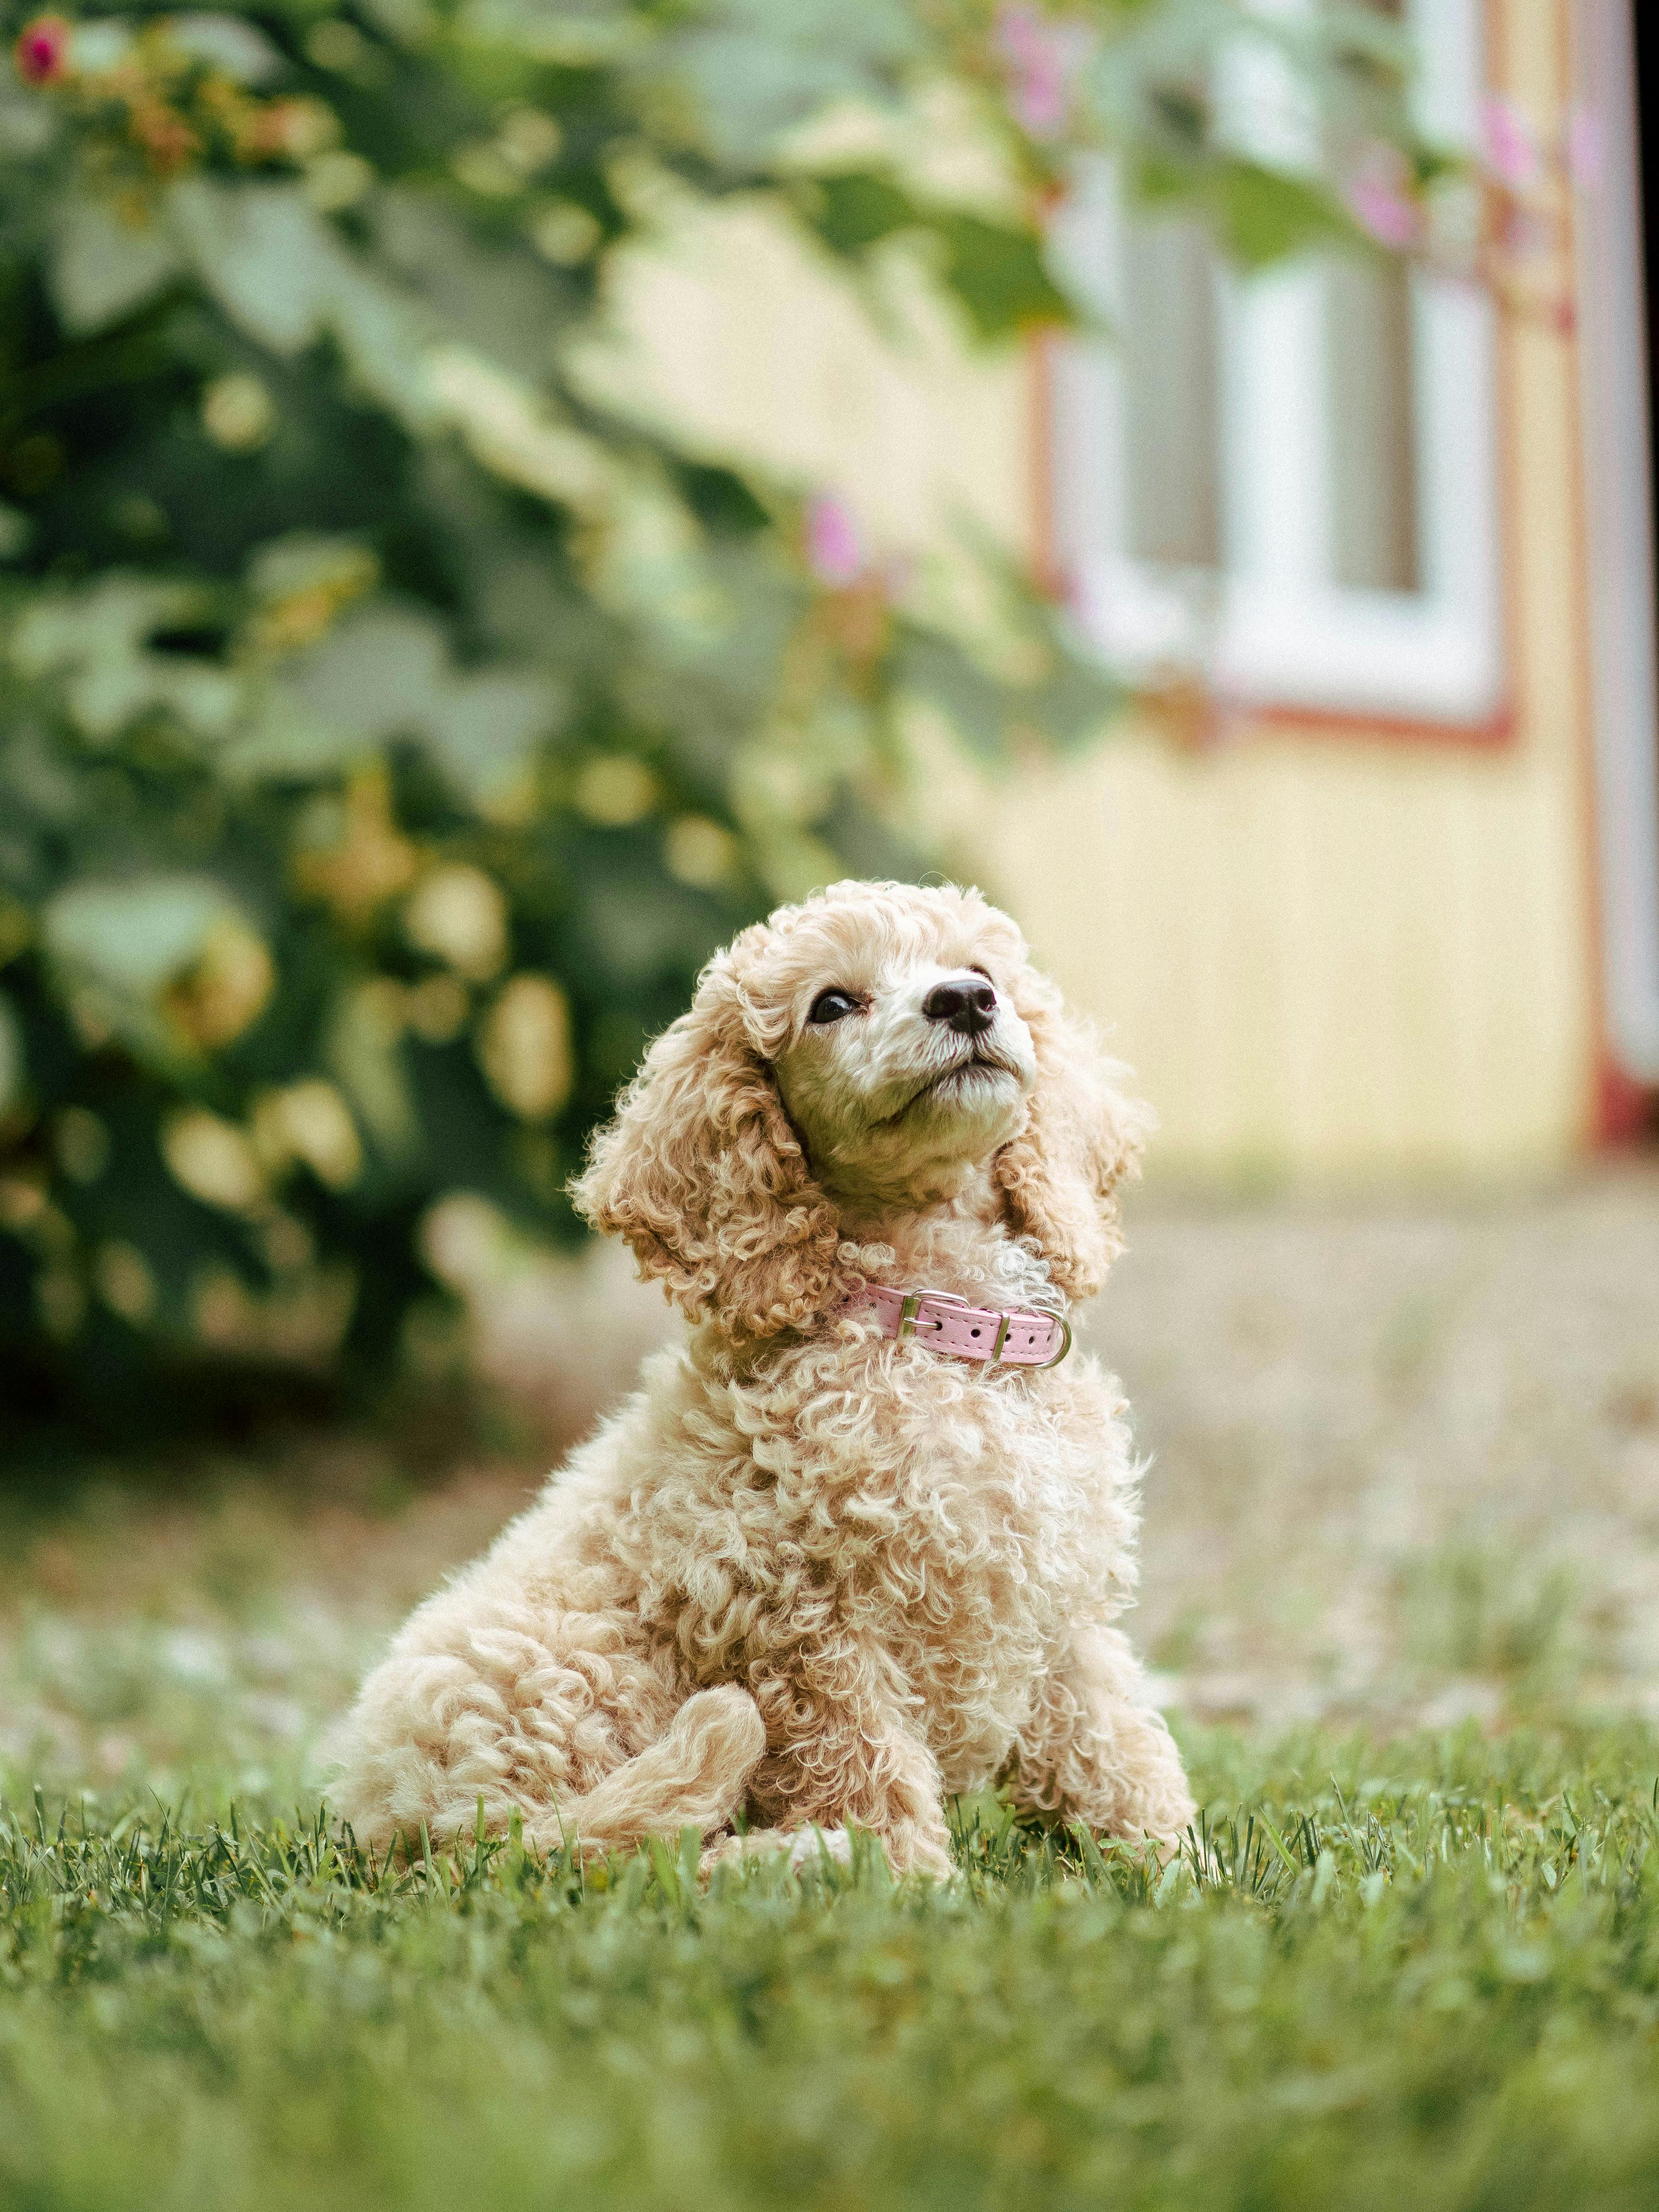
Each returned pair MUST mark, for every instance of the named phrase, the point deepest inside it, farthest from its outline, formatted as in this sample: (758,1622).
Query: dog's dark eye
(832,1006)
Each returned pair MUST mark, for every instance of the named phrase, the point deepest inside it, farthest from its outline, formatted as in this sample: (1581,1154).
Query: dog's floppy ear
(1059,1177)
(702,1174)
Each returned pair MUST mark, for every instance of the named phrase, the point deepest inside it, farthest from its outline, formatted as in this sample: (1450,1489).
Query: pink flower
(1380,198)
(835,550)
(1509,143)
(1042,57)
(41,54)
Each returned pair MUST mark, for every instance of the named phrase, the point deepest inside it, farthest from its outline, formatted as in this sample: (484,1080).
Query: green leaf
(372,676)
(97,639)
(16,530)
(856,209)
(1076,701)
(1000,275)
(996,270)
(387,672)
(939,669)
(230,45)
(136,934)
(268,257)
(113,946)
(756,68)
(281,274)
(1262,215)
(567,33)
(100,269)
(331,562)
(482,729)
(14,1069)
(28,124)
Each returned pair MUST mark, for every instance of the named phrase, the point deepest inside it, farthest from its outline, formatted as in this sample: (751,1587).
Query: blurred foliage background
(387,730)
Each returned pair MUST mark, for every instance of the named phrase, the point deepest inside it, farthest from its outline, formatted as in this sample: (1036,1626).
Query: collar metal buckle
(912,1307)
(1065,1342)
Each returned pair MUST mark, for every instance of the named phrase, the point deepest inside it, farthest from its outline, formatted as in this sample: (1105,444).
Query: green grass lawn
(1422,1974)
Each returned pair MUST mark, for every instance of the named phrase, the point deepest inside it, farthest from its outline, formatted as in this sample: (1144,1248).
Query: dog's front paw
(797,1847)
(913,1848)
(807,1843)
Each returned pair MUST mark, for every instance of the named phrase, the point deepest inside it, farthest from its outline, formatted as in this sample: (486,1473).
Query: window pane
(1167,336)
(1373,434)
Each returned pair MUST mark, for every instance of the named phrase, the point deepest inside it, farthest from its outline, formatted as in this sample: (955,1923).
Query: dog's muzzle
(945,1322)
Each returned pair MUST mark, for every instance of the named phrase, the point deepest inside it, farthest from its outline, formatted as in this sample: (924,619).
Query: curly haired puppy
(832,1562)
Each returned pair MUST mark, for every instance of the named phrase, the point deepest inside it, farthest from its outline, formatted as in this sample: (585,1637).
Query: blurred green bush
(387,732)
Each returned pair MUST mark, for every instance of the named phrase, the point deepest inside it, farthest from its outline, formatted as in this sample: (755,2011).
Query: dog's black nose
(968,1003)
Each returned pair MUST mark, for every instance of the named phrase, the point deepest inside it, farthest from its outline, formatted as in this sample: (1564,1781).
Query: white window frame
(1271,628)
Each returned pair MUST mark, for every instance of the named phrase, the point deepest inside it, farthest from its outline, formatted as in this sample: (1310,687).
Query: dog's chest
(968,1499)
(959,1523)
(987,1541)
(952,1527)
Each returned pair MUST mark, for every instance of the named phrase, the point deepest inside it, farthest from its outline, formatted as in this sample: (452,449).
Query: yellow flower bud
(213,1160)
(524,1047)
(459,914)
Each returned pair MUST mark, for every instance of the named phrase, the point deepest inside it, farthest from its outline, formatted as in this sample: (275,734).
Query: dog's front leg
(841,1755)
(1094,1750)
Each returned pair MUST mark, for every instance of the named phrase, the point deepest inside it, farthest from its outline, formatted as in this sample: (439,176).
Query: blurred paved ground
(1404,1460)
(1405,1466)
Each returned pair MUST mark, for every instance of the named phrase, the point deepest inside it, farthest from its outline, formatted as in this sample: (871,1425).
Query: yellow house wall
(1326,953)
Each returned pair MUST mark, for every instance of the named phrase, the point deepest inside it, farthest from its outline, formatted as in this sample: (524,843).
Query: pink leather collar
(945,1322)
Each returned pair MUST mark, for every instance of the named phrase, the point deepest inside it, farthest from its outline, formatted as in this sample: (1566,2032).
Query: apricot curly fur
(702,1174)
(806,1573)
